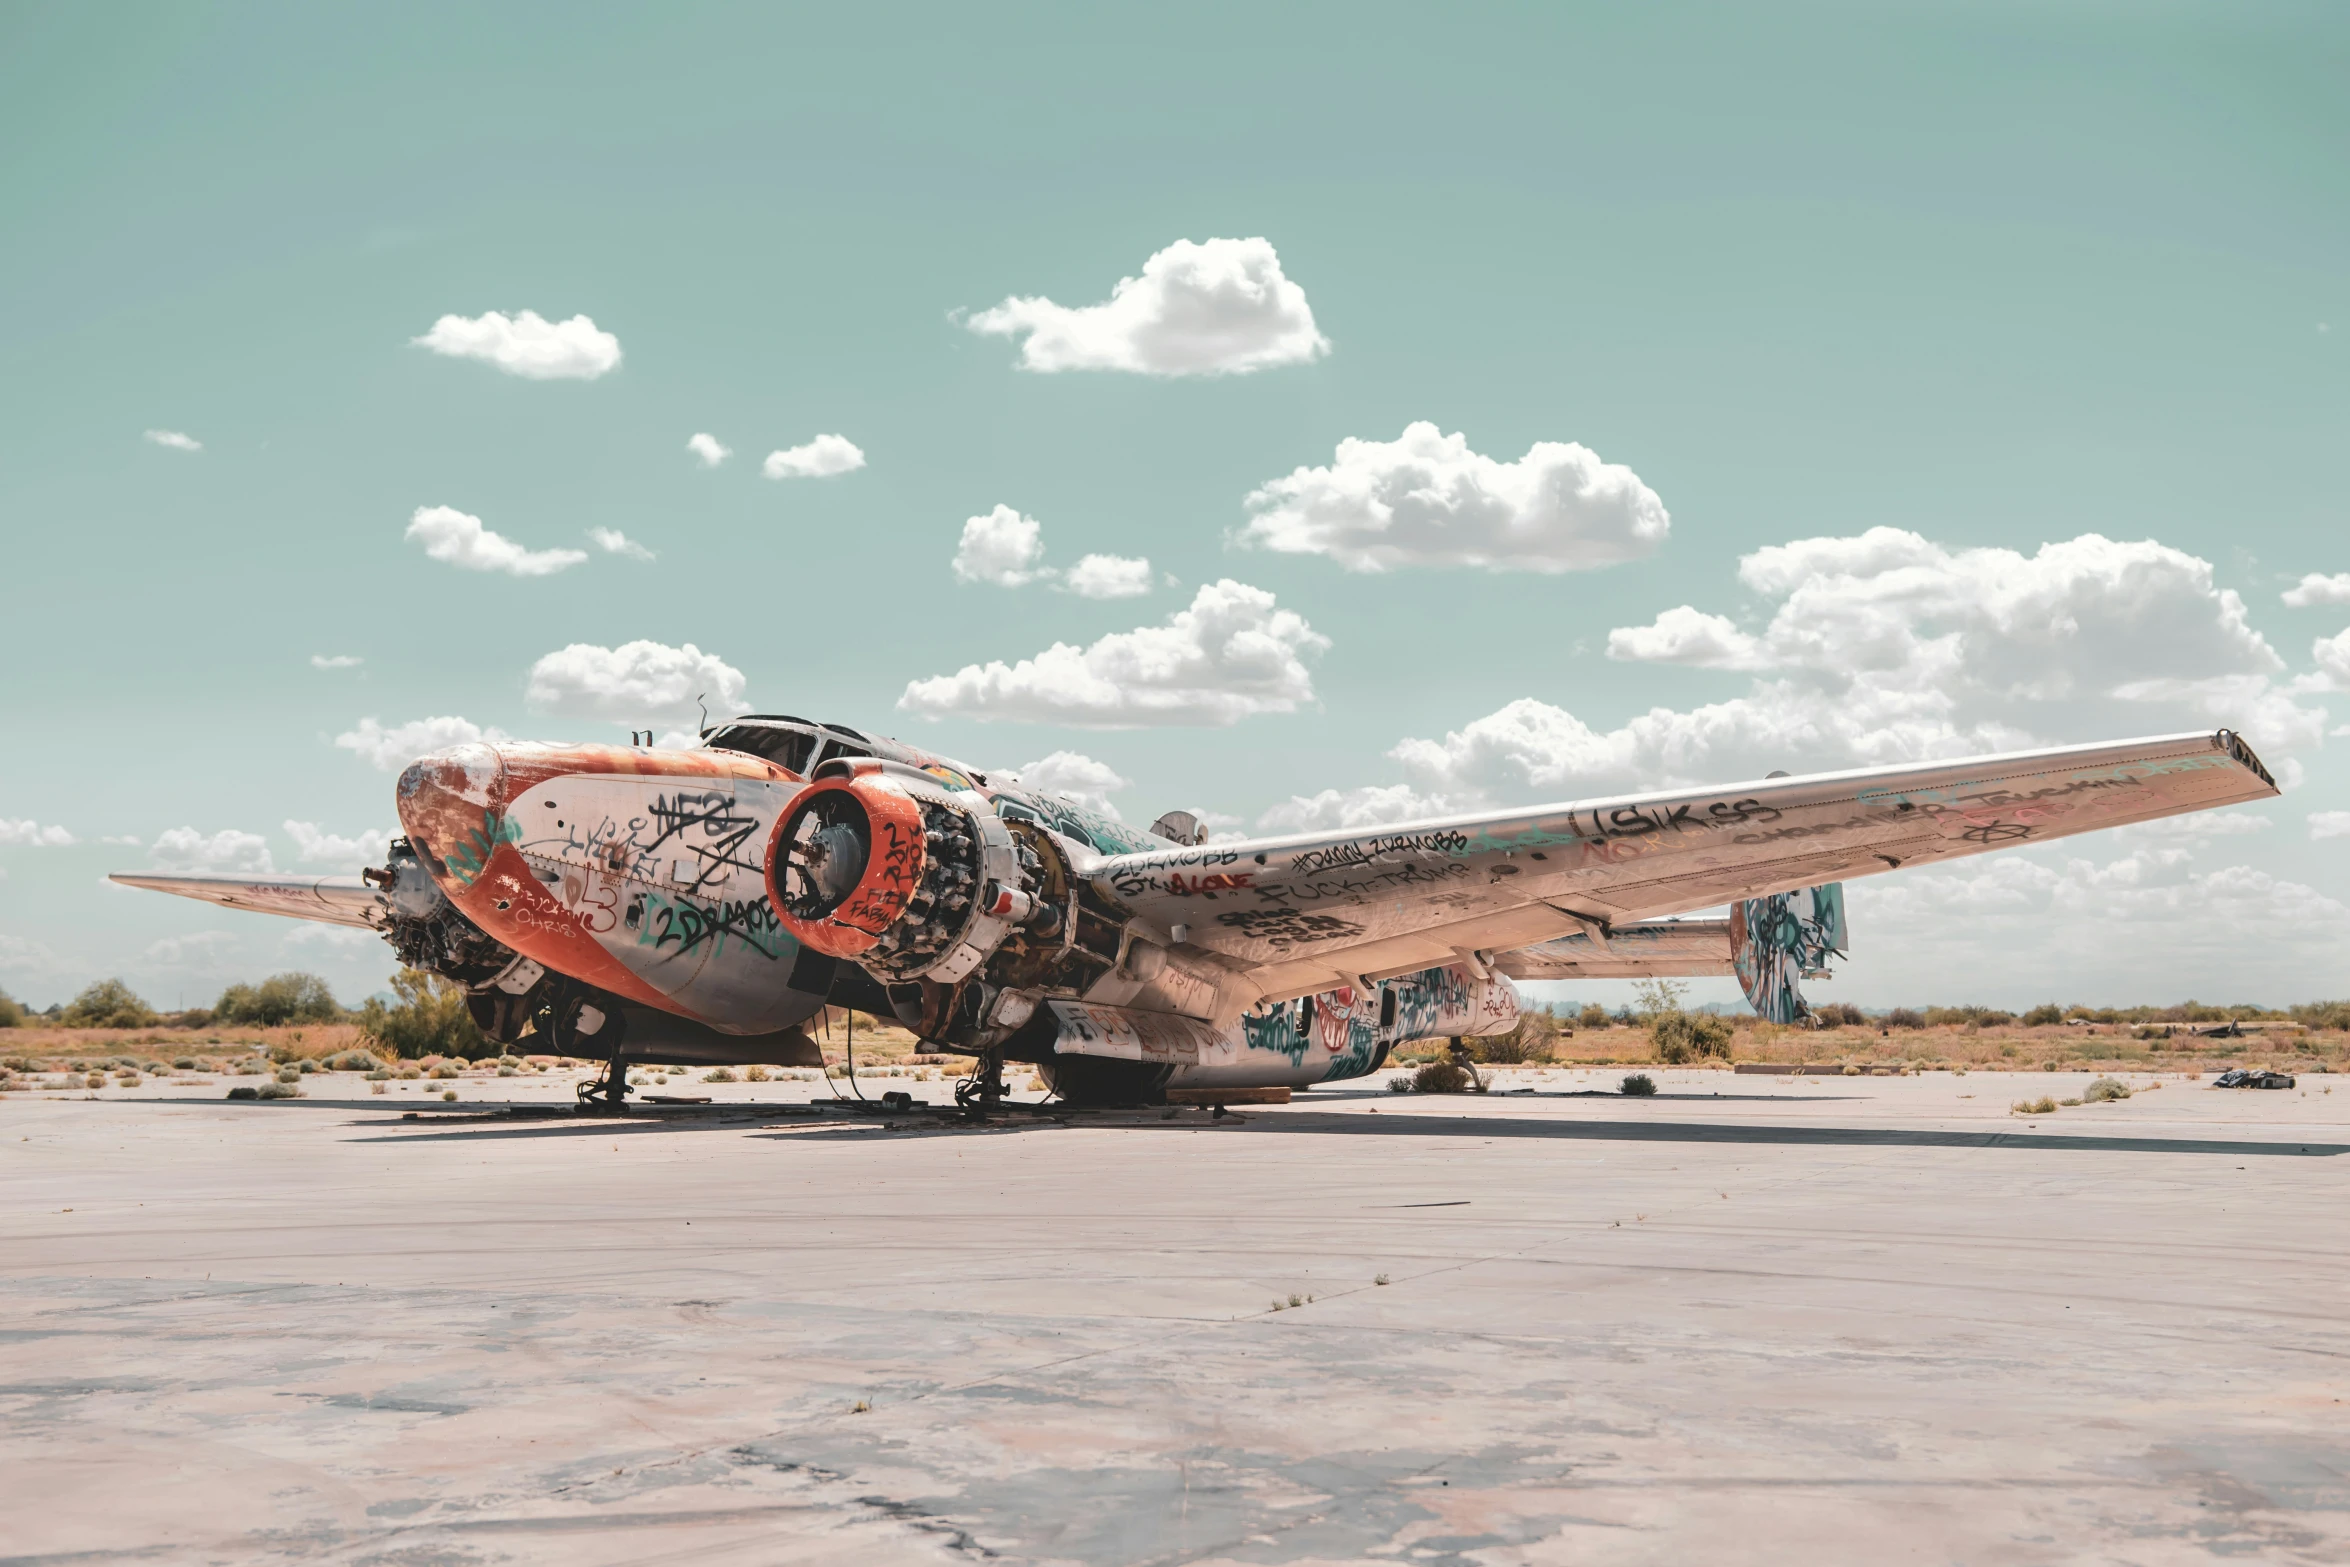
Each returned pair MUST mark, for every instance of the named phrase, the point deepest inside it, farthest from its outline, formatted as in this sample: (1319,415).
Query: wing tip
(2242,755)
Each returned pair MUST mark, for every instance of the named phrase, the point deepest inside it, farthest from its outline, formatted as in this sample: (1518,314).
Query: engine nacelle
(902,876)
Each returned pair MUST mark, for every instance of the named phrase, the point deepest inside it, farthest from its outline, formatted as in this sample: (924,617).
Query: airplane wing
(1293,915)
(1651,949)
(333,900)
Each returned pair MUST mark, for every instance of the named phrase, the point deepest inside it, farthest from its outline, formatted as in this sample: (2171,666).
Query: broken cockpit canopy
(794,744)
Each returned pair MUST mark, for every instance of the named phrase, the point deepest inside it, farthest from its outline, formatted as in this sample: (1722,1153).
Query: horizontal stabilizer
(334,900)
(1651,949)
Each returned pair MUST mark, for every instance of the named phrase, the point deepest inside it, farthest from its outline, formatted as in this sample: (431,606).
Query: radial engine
(963,914)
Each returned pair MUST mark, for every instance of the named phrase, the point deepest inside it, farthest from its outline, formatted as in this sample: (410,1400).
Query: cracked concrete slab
(1872,1320)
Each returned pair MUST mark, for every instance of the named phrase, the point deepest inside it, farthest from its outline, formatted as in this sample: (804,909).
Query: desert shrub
(194,1017)
(1532,1040)
(1682,1037)
(2043,1015)
(429,1020)
(755,1074)
(353,1061)
(1593,1015)
(1840,1014)
(288,1074)
(2105,1088)
(1654,996)
(442,1069)
(719,1075)
(1903,1017)
(1441,1077)
(107,1003)
(276,1001)
(11,1011)
(2040,1106)
(1639,1085)
(278,1090)
(1960,1017)
(2317,1014)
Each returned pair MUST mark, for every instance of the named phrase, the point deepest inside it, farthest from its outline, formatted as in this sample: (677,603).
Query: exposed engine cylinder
(905,878)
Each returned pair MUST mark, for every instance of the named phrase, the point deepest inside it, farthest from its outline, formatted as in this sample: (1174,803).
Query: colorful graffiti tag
(1779,940)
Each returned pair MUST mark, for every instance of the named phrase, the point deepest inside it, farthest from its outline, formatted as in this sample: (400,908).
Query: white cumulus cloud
(197,949)
(1688,636)
(2047,924)
(2332,657)
(1425,499)
(186,849)
(2198,829)
(2317,588)
(31,832)
(614,542)
(174,439)
(821,458)
(705,446)
(1001,547)
(648,681)
(527,344)
(1075,776)
(315,846)
(2329,824)
(392,749)
(1219,308)
(1110,577)
(1344,810)
(1232,653)
(1887,648)
(458,538)
(335,661)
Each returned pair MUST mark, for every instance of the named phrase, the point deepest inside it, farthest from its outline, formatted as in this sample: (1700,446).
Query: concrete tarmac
(1860,1320)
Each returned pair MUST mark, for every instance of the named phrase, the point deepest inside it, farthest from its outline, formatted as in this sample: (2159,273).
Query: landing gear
(982,1093)
(577,1025)
(609,1093)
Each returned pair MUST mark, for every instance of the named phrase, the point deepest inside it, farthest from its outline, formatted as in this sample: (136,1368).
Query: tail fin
(1776,942)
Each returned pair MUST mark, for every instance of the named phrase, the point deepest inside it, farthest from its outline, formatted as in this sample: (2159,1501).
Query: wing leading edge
(333,900)
(1295,914)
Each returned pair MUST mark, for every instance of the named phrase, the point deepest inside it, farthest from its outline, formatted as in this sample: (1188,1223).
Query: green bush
(429,1020)
(1593,1015)
(1532,1040)
(1683,1037)
(1639,1085)
(107,1003)
(1441,1077)
(1903,1017)
(2043,1015)
(2105,1088)
(11,1012)
(2323,1014)
(277,1000)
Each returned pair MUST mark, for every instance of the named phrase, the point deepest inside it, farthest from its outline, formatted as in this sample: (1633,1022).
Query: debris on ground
(2252,1077)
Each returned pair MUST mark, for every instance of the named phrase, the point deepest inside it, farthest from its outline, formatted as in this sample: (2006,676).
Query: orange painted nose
(453,807)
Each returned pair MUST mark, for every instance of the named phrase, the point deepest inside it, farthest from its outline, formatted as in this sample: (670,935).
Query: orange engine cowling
(883,866)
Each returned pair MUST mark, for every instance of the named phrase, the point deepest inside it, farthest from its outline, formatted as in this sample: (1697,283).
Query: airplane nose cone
(452,804)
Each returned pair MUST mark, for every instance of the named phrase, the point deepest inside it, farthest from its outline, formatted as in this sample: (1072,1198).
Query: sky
(1302,415)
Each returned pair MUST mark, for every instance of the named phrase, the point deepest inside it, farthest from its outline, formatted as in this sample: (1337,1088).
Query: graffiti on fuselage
(685,926)
(1352,1029)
